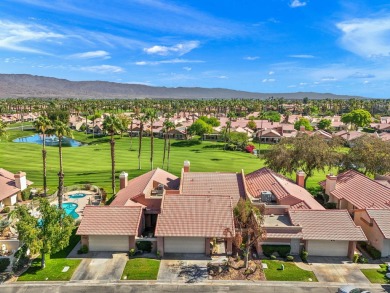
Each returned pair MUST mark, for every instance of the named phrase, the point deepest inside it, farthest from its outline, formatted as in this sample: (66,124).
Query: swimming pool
(77,195)
(70,209)
(49,140)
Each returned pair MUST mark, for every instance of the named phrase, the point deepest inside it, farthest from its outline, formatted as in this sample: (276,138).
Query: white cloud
(21,37)
(103,69)
(251,58)
(271,73)
(297,3)
(268,80)
(366,37)
(304,56)
(92,54)
(222,77)
(328,78)
(171,61)
(187,68)
(303,83)
(179,49)
(361,75)
(366,82)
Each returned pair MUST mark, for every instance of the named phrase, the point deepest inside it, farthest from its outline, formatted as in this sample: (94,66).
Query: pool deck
(82,202)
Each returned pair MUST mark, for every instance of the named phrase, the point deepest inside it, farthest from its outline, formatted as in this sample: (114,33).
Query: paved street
(119,287)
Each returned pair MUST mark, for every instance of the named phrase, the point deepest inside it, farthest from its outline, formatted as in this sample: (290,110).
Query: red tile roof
(213,183)
(285,190)
(110,220)
(196,216)
(382,219)
(143,185)
(327,225)
(7,184)
(361,191)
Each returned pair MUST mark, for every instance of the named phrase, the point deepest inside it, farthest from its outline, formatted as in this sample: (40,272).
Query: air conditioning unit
(266,196)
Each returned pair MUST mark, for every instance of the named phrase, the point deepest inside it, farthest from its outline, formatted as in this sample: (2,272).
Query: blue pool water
(77,195)
(49,140)
(70,209)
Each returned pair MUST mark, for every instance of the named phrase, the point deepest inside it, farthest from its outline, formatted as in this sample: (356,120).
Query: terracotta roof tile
(196,216)
(110,220)
(327,225)
(361,191)
(143,185)
(7,184)
(213,183)
(382,219)
(285,190)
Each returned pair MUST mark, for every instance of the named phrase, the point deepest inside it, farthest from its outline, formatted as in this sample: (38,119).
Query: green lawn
(377,276)
(92,163)
(290,273)
(54,265)
(141,269)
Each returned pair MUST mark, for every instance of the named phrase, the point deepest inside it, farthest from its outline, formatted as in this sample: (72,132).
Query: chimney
(330,183)
(302,128)
(300,179)
(186,166)
(123,179)
(20,180)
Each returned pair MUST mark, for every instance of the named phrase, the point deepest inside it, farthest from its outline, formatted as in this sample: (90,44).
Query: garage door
(386,248)
(108,243)
(328,248)
(184,245)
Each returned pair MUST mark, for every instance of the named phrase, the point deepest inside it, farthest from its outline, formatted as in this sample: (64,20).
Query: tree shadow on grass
(214,146)
(186,143)
(215,159)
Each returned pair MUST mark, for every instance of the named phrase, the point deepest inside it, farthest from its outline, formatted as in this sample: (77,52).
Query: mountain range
(26,85)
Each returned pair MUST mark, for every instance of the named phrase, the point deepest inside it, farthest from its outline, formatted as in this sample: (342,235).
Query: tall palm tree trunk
(112,143)
(44,154)
(131,135)
(60,175)
(169,152)
(165,149)
(151,148)
(139,147)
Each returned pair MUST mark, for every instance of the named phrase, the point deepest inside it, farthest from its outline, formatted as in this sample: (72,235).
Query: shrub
(132,252)
(4,263)
(26,194)
(373,252)
(144,246)
(304,255)
(290,258)
(362,259)
(249,148)
(330,205)
(83,250)
(6,210)
(282,250)
(356,258)
(272,256)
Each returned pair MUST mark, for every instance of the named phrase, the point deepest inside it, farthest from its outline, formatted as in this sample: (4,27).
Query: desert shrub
(4,263)
(6,210)
(83,250)
(304,255)
(282,250)
(290,258)
(144,246)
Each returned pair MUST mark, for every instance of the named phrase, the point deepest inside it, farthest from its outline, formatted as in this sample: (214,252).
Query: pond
(49,140)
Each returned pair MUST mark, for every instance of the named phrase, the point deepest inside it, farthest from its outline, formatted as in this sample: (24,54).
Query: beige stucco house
(11,186)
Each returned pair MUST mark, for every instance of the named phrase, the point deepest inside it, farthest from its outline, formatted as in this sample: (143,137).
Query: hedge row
(282,250)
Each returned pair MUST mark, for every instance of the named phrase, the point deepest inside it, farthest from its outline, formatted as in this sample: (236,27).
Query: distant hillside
(25,85)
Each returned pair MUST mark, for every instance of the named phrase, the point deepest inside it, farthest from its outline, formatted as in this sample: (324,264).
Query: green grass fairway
(290,273)
(141,269)
(377,276)
(92,163)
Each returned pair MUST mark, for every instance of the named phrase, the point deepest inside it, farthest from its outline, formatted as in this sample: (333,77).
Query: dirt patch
(234,269)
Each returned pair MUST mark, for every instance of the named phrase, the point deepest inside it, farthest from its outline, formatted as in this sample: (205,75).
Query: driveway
(101,266)
(186,268)
(336,269)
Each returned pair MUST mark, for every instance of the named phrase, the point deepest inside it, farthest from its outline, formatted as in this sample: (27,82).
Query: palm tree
(169,126)
(112,125)
(131,118)
(42,125)
(3,131)
(151,115)
(60,129)
(142,120)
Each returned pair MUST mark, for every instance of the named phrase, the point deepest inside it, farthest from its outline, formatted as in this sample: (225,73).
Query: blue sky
(341,47)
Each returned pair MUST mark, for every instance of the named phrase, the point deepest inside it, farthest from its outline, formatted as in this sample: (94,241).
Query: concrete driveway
(336,269)
(186,268)
(101,266)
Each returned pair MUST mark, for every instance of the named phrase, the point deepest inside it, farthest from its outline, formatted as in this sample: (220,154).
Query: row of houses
(187,214)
